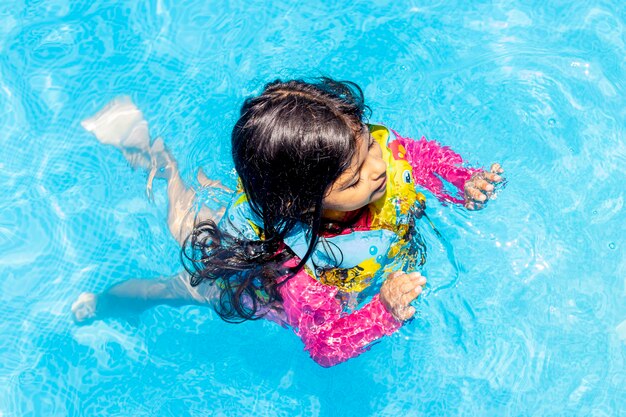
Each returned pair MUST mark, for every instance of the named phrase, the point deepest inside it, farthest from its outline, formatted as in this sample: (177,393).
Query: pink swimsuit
(317,307)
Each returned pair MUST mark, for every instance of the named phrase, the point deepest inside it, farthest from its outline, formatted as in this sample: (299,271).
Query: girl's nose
(376,163)
(379,168)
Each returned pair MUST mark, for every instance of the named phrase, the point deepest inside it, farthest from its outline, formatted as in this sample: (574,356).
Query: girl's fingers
(474,205)
(418,279)
(483,185)
(407,287)
(415,277)
(492,177)
(496,168)
(402,291)
(411,280)
(405,313)
(406,299)
(399,290)
(474,193)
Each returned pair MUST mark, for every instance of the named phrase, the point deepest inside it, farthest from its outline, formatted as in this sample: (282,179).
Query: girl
(321,230)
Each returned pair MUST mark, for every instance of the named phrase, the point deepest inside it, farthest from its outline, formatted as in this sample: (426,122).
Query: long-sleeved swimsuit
(332,304)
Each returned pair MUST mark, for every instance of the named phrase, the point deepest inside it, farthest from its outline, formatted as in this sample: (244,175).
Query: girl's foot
(84,308)
(121,124)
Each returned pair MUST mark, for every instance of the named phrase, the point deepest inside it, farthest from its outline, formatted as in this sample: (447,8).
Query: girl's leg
(122,125)
(133,296)
(182,200)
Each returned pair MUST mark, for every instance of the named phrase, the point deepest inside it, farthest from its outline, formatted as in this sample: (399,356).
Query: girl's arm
(330,335)
(432,162)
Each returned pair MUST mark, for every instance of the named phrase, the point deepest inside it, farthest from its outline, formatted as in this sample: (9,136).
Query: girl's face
(363,182)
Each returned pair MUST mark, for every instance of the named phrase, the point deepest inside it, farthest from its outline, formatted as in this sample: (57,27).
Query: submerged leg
(121,124)
(183,212)
(134,296)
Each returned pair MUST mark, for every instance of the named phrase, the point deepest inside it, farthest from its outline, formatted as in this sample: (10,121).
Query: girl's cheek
(378,150)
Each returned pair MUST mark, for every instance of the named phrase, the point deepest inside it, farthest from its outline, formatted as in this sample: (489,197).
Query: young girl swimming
(322,230)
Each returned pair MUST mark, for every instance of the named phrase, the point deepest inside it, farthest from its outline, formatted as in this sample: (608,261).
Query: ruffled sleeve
(330,335)
(432,162)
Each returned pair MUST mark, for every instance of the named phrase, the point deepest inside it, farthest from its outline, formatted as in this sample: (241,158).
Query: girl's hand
(399,290)
(479,188)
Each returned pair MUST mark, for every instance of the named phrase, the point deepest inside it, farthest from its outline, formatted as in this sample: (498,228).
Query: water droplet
(612,245)
(373,250)
(551,122)
(594,212)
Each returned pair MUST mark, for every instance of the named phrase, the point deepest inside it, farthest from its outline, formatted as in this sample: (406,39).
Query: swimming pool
(526,313)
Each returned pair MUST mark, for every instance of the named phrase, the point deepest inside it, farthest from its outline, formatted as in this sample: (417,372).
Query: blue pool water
(526,311)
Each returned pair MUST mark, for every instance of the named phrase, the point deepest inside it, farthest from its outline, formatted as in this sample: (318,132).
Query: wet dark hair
(289,145)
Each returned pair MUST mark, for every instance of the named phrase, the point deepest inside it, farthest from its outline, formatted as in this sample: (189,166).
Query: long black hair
(289,145)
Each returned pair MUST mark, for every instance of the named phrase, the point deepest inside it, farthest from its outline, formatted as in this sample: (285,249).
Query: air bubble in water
(612,245)
(551,122)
